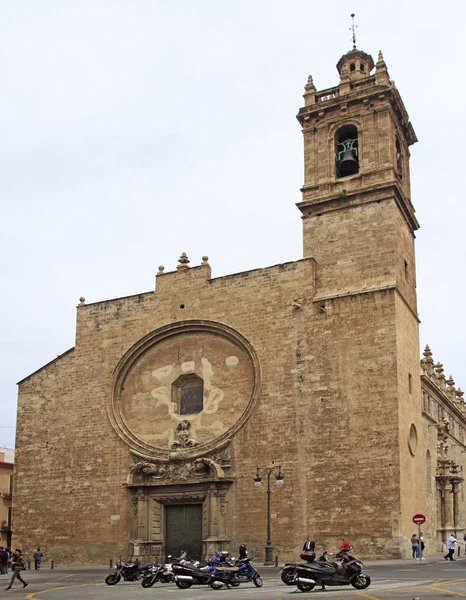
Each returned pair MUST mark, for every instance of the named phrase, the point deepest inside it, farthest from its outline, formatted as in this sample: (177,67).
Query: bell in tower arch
(347,159)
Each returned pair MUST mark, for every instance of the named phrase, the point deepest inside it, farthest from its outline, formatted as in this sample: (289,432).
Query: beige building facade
(147,434)
(6,493)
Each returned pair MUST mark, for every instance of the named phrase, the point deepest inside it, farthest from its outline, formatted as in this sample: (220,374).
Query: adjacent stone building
(144,438)
(444,413)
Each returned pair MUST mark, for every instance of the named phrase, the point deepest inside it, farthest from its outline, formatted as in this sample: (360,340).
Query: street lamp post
(279,477)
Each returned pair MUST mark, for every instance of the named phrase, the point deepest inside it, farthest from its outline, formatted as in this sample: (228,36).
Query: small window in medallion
(188,394)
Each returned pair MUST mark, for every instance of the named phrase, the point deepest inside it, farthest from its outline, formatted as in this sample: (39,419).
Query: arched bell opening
(347,151)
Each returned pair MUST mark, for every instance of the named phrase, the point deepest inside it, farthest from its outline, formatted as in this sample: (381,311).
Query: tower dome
(358,64)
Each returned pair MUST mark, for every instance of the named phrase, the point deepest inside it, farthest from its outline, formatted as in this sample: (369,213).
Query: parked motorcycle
(324,573)
(161,572)
(188,575)
(195,573)
(243,572)
(152,575)
(129,572)
(288,571)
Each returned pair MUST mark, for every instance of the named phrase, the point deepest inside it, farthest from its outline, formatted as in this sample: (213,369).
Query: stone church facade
(144,438)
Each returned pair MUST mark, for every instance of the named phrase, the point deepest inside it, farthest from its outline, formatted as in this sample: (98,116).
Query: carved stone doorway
(183,530)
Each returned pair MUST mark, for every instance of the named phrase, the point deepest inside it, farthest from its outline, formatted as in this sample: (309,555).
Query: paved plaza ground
(430,579)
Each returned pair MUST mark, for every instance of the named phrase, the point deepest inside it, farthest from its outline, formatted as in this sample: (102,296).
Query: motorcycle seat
(322,568)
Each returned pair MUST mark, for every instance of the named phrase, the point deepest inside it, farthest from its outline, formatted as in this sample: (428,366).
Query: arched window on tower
(347,151)
(188,394)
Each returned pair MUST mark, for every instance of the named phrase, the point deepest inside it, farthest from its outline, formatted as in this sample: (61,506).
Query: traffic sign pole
(419,538)
(419,519)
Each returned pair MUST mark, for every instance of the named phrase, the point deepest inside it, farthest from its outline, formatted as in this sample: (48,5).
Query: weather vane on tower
(353,29)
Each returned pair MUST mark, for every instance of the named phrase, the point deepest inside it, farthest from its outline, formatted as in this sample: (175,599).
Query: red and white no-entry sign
(419,519)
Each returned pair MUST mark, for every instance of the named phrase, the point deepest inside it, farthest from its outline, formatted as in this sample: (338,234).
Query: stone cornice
(375,193)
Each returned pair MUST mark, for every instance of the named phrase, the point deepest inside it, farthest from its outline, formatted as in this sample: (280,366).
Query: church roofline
(45,366)
(116,299)
(212,280)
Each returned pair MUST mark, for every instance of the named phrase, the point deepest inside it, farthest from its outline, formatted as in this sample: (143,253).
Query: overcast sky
(134,130)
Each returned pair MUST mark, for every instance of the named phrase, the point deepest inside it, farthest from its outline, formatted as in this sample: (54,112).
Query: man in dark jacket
(243,552)
(4,557)
(309,545)
(38,554)
(18,564)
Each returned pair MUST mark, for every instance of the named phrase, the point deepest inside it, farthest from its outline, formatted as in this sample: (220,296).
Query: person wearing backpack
(18,564)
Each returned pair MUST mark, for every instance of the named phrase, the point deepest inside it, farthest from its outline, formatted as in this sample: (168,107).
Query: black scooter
(188,575)
(288,571)
(196,573)
(243,572)
(324,573)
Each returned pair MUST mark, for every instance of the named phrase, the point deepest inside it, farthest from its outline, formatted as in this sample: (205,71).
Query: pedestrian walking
(4,558)
(18,564)
(243,551)
(38,554)
(451,546)
(415,547)
(421,539)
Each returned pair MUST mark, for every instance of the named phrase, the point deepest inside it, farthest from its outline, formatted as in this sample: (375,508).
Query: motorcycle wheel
(112,579)
(216,585)
(360,581)
(288,577)
(305,587)
(147,583)
(258,581)
(183,585)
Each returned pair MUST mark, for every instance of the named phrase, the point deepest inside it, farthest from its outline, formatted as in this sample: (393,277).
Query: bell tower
(356,197)
(359,227)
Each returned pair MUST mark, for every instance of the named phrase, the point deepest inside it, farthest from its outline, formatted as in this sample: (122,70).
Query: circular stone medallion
(186,387)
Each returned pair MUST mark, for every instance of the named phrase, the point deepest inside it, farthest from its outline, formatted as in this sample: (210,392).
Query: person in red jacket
(346,546)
